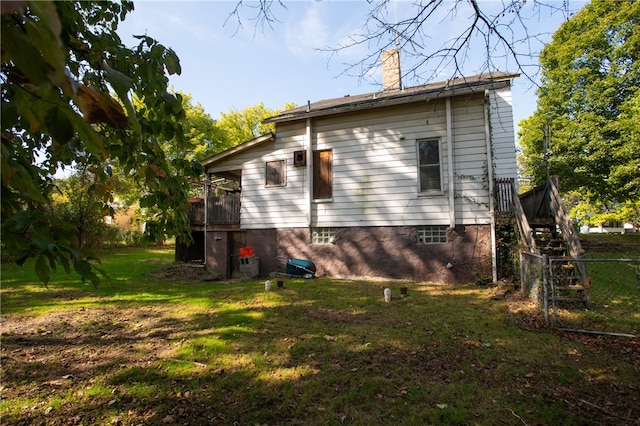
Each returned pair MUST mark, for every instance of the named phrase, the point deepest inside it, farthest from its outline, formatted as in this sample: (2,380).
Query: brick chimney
(391,70)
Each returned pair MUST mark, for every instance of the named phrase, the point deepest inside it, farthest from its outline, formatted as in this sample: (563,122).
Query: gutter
(380,100)
(451,173)
(309,172)
(492,216)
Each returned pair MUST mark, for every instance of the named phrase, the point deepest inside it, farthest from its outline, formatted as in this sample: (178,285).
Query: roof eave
(396,99)
(239,148)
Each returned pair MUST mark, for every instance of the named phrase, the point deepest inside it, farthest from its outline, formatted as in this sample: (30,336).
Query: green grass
(143,349)
(615,286)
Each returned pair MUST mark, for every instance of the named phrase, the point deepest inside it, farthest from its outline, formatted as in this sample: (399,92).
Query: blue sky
(225,67)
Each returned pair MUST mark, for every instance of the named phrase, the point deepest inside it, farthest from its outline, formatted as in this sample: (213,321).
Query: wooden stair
(545,228)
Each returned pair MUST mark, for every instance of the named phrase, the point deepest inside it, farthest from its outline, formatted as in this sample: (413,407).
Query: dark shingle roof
(442,89)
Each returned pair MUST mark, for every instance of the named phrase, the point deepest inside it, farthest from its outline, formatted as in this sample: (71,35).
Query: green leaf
(84,269)
(17,46)
(59,125)
(172,62)
(47,37)
(148,201)
(42,269)
(122,83)
(41,242)
(64,261)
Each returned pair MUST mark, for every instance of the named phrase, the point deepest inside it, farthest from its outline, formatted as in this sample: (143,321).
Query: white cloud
(304,36)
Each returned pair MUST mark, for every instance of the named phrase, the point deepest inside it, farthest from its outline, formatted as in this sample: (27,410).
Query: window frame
(283,173)
(420,166)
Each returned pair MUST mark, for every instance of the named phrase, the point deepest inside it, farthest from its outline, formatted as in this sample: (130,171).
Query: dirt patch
(186,273)
(66,352)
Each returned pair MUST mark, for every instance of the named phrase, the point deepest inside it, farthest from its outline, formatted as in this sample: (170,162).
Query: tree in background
(242,126)
(80,211)
(588,106)
(205,133)
(67,89)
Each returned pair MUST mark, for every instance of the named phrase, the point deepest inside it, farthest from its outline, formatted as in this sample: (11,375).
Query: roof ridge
(452,85)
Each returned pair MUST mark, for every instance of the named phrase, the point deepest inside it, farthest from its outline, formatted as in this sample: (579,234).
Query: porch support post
(451,174)
(207,186)
(492,214)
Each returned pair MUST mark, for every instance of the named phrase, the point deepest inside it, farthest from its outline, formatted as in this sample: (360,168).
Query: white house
(396,183)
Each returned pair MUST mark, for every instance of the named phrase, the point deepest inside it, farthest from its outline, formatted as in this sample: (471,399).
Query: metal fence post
(545,287)
(523,283)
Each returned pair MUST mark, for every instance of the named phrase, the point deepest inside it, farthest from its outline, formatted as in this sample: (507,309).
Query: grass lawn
(156,344)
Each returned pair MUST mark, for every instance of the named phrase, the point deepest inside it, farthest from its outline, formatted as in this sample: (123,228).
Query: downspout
(309,172)
(452,200)
(492,216)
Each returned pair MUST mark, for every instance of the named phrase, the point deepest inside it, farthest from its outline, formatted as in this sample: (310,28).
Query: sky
(226,66)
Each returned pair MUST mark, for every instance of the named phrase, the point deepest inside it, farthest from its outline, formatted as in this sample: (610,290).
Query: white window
(432,234)
(323,235)
(429,166)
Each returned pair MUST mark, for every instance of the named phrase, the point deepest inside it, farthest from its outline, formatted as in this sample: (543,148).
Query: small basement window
(276,173)
(323,235)
(432,234)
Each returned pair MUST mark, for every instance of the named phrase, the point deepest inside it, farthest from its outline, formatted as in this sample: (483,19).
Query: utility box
(299,158)
(249,268)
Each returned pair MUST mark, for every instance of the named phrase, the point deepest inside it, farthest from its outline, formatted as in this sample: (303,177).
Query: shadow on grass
(313,352)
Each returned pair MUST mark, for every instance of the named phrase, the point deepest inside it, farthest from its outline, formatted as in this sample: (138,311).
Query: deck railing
(504,195)
(221,210)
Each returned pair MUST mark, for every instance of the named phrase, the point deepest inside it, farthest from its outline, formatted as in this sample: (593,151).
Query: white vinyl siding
(375,179)
(375,173)
(470,161)
(276,207)
(502,134)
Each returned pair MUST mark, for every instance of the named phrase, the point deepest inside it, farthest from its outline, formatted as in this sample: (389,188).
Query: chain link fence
(532,280)
(608,302)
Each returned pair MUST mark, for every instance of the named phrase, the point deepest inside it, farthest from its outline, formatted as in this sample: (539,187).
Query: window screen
(429,165)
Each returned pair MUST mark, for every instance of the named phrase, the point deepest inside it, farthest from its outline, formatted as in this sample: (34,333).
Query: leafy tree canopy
(242,126)
(204,133)
(68,85)
(588,107)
